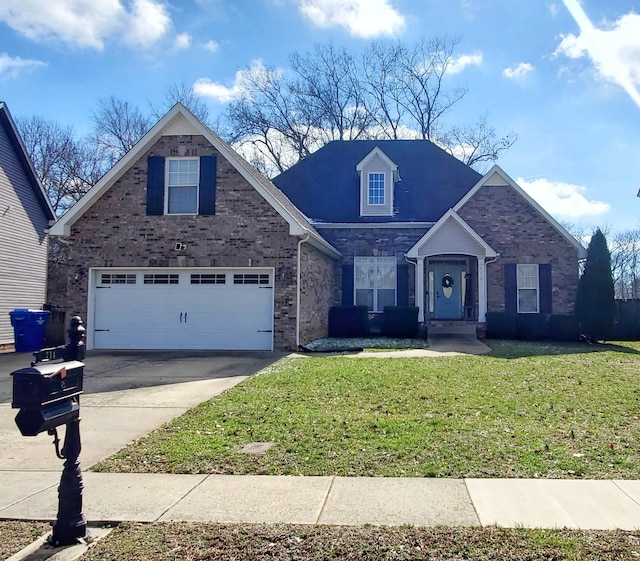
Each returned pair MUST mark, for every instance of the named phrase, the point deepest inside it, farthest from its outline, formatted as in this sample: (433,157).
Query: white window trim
(379,260)
(537,288)
(166,188)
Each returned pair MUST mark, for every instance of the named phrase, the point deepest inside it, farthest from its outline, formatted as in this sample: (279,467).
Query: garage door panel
(184,315)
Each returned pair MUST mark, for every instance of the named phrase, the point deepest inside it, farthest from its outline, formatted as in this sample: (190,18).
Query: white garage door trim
(166,308)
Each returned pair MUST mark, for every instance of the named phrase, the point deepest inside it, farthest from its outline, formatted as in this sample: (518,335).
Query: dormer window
(376,189)
(378,175)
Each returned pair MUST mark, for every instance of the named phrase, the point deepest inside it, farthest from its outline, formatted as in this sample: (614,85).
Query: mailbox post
(48,395)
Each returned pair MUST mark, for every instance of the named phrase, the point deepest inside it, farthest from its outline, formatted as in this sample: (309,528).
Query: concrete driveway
(126,395)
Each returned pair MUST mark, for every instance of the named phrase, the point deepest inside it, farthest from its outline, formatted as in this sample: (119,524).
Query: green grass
(178,541)
(524,410)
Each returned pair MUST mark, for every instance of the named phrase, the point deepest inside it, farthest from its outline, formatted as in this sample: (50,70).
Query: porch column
(482,289)
(420,288)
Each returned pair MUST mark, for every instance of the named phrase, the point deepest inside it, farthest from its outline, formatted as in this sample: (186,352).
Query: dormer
(378,176)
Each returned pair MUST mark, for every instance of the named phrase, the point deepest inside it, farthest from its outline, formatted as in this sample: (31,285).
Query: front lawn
(524,410)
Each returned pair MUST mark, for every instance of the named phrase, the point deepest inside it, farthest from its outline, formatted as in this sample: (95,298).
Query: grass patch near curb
(178,541)
(524,410)
(15,535)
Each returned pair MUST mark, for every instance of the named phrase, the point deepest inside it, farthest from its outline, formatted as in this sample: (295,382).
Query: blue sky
(563,74)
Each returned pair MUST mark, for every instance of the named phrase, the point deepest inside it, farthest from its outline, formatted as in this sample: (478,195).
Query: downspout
(302,240)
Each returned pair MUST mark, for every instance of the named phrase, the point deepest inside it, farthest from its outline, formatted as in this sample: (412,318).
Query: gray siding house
(25,214)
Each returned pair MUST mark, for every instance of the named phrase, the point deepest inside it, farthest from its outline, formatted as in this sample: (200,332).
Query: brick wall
(245,231)
(521,235)
(319,291)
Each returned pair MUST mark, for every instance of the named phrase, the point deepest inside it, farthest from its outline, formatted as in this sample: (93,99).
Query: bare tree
(270,120)
(329,86)
(66,166)
(420,73)
(625,264)
(118,126)
(476,144)
(391,91)
(181,93)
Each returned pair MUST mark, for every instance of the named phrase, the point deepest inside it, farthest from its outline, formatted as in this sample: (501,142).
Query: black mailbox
(46,383)
(45,394)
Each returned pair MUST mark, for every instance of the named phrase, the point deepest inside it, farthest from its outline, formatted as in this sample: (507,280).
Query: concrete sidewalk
(529,503)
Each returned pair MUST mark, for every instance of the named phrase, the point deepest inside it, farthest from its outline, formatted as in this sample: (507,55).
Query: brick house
(184,245)
(415,226)
(25,215)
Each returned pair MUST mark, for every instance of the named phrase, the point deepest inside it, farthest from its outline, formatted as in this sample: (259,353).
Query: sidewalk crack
(183,497)
(326,498)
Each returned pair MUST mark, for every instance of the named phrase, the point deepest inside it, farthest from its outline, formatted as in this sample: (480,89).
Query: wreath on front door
(447,281)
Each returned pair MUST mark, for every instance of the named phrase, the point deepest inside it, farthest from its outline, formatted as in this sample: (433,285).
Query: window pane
(527,276)
(183,172)
(364,298)
(527,301)
(183,200)
(386,297)
(365,275)
(386,276)
(432,292)
(376,188)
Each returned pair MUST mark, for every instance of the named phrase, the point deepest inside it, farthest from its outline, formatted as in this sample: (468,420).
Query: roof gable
(326,184)
(497,177)
(377,153)
(180,121)
(9,126)
(451,235)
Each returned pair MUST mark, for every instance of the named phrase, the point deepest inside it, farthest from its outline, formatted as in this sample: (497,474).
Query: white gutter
(304,239)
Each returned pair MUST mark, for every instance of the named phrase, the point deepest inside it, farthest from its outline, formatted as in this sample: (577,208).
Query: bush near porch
(524,410)
(357,321)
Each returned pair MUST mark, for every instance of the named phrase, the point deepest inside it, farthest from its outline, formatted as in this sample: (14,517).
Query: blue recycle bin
(28,329)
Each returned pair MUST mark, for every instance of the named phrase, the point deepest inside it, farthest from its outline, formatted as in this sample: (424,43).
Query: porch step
(451,328)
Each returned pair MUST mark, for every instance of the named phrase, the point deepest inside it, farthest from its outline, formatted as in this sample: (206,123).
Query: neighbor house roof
(326,184)
(9,126)
(179,120)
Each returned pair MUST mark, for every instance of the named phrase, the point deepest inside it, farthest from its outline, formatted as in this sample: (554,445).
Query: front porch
(450,276)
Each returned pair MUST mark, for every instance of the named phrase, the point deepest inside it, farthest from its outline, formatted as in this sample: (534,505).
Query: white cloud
(10,67)
(361,18)
(615,51)
(563,200)
(212,46)
(457,65)
(224,94)
(518,71)
(182,41)
(148,22)
(87,23)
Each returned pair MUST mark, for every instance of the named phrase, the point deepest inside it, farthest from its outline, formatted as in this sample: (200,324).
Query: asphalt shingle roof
(325,186)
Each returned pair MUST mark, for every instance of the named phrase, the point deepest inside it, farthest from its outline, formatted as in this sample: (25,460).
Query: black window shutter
(207,202)
(347,285)
(155,185)
(403,285)
(510,288)
(544,280)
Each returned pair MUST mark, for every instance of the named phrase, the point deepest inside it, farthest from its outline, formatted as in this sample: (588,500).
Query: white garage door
(216,309)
